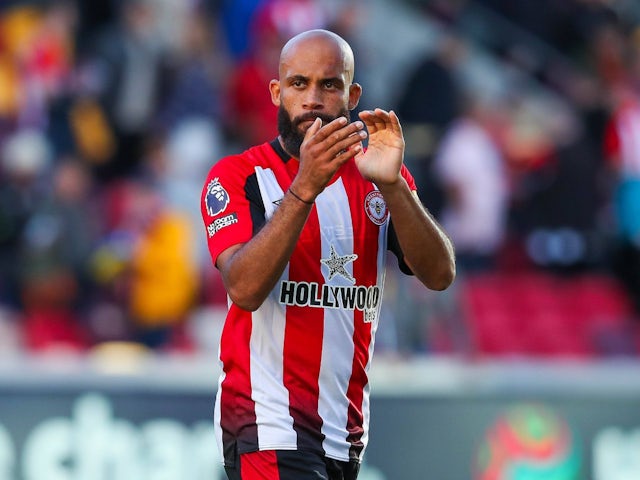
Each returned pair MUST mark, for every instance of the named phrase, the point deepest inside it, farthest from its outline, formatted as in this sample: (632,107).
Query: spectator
(198,73)
(190,118)
(429,103)
(431,98)
(236,17)
(36,60)
(187,156)
(130,67)
(51,243)
(145,260)
(26,157)
(50,322)
(62,229)
(470,167)
(622,149)
(251,117)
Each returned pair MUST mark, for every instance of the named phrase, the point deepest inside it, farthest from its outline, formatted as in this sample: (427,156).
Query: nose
(313,99)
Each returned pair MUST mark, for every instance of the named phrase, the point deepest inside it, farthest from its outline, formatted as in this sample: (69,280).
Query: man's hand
(324,150)
(385,153)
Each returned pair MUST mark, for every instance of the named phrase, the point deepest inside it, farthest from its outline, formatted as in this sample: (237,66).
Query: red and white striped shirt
(295,370)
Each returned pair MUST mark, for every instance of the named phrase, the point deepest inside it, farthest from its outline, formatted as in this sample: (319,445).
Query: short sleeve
(226,211)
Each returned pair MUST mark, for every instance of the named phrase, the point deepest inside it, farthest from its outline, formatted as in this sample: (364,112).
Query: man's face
(315,81)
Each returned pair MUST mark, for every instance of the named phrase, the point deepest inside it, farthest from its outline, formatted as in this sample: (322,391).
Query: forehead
(315,57)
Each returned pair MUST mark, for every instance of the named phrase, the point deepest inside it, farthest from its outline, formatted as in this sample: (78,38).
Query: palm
(384,155)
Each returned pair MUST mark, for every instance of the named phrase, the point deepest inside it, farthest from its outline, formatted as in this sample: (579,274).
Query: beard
(289,129)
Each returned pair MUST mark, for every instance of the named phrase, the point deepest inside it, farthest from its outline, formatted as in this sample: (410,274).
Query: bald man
(299,229)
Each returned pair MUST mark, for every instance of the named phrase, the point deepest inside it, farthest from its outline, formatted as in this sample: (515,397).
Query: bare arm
(251,270)
(427,249)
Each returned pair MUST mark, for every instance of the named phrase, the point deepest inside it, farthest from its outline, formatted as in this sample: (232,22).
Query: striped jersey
(294,372)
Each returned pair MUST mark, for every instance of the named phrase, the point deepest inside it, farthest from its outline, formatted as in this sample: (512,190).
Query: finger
(369,119)
(334,137)
(330,128)
(395,123)
(348,153)
(347,143)
(313,129)
(357,150)
(382,118)
(375,120)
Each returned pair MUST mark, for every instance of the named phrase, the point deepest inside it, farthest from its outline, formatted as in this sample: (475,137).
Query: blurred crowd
(112,112)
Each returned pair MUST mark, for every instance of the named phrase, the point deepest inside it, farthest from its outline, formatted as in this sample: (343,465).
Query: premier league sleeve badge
(216,199)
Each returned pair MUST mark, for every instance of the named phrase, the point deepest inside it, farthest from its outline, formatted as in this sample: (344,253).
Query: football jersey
(294,372)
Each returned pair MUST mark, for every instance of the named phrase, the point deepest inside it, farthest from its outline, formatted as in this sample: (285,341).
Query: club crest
(216,199)
(376,207)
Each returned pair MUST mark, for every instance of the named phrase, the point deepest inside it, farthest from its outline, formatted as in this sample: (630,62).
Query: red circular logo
(376,207)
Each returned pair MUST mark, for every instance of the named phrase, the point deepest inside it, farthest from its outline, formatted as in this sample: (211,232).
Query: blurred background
(522,122)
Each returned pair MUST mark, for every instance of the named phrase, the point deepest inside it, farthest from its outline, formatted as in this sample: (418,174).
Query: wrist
(394,185)
(300,198)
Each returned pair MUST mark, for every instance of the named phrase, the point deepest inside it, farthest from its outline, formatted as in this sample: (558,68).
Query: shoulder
(242,164)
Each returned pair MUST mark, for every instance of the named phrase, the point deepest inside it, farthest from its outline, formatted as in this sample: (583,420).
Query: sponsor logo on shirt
(312,294)
(216,199)
(336,264)
(220,223)
(315,295)
(376,207)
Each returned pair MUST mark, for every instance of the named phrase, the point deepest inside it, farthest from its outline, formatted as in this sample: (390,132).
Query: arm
(250,270)
(427,249)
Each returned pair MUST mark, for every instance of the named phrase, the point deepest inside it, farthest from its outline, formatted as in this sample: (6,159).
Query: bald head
(312,41)
(315,81)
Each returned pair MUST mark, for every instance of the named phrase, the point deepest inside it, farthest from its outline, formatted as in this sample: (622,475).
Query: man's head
(315,80)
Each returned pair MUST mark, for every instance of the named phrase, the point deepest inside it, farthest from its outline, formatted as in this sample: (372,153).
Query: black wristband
(300,198)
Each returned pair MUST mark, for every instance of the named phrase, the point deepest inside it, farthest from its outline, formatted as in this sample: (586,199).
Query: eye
(297,83)
(329,84)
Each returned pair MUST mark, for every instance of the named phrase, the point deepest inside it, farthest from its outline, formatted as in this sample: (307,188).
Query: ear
(274,88)
(355,91)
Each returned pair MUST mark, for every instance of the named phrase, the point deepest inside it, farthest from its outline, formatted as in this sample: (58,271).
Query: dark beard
(290,132)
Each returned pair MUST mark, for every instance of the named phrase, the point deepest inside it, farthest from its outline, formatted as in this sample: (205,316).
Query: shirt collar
(275,144)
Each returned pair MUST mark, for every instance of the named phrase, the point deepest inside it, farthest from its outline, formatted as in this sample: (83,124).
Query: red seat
(535,313)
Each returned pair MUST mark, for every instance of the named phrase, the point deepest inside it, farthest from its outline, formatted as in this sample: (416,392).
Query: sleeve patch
(216,199)
(220,223)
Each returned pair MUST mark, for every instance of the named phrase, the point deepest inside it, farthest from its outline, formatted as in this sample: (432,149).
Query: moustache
(311,116)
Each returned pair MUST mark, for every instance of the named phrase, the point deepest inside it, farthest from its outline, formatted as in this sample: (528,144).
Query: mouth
(305,124)
(306,120)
